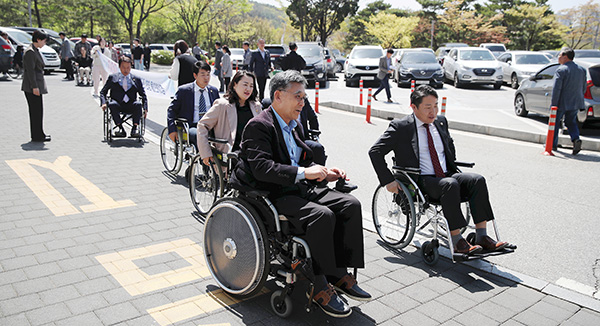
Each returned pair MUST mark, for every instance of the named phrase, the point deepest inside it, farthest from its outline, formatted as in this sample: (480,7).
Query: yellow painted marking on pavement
(135,281)
(52,198)
(195,306)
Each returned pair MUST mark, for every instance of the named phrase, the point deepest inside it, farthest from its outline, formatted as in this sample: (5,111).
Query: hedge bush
(162,57)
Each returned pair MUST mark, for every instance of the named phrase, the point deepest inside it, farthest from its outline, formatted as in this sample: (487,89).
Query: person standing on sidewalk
(385,69)
(34,85)
(293,60)
(98,69)
(226,66)
(247,52)
(260,65)
(567,95)
(218,58)
(66,55)
(138,55)
(147,56)
(196,51)
(182,69)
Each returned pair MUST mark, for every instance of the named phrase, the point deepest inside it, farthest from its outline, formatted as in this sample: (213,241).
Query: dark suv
(316,69)
(5,56)
(277,51)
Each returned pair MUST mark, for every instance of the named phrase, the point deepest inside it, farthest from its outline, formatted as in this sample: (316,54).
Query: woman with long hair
(226,66)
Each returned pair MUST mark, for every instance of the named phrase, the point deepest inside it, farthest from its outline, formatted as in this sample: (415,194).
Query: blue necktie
(201,104)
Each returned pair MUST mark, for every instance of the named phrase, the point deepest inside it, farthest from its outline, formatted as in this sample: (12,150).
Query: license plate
(422,82)
(368,78)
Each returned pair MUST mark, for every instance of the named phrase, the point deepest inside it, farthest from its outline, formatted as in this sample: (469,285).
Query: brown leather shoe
(490,244)
(464,247)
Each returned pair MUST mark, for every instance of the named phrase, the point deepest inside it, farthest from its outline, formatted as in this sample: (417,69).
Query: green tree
(583,25)
(466,26)
(318,19)
(135,12)
(533,28)
(356,30)
(298,13)
(392,31)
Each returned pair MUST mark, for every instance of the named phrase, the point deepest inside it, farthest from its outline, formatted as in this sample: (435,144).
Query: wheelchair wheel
(203,185)
(107,125)
(171,152)
(282,307)
(394,216)
(430,253)
(236,247)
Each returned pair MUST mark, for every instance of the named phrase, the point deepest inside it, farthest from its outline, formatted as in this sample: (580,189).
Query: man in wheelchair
(275,158)
(124,88)
(422,141)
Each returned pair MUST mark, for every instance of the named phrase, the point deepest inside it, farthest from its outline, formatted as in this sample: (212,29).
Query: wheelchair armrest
(464,164)
(181,119)
(407,169)
(217,140)
(313,132)
(232,156)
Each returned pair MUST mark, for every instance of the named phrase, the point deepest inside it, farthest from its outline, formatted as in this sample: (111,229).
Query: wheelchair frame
(127,119)
(183,150)
(420,206)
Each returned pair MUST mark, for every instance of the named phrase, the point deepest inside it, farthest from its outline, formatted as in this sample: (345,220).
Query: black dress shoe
(390,100)
(347,285)
(134,132)
(120,133)
(331,304)
(374,98)
(44,139)
(576,146)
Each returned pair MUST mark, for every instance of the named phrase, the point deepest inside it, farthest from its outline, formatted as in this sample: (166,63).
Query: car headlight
(440,72)
(351,66)
(499,68)
(404,71)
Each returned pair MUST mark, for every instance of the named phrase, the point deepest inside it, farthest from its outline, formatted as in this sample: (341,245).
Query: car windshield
(497,48)
(587,54)
(309,52)
(476,55)
(156,47)
(419,57)
(237,51)
(531,59)
(275,49)
(20,36)
(366,53)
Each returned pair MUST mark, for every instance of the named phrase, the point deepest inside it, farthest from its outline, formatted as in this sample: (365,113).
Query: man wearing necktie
(124,89)
(191,101)
(422,140)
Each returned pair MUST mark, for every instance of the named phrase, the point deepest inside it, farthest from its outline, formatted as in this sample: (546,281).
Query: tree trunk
(37,14)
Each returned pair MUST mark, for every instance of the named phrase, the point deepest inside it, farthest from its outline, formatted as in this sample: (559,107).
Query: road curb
(587,144)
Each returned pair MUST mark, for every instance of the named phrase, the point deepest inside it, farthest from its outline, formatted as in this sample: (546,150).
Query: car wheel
(497,85)
(338,68)
(348,83)
(457,82)
(520,109)
(514,81)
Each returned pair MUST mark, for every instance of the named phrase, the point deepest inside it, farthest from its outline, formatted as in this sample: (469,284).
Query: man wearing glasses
(275,158)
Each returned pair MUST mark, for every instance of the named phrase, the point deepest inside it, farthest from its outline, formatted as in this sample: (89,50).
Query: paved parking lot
(98,234)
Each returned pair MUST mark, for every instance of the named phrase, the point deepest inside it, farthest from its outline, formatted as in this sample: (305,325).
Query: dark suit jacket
(117,93)
(264,162)
(293,61)
(258,65)
(569,87)
(401,137)
(308,117)
(183,103)
(33,74)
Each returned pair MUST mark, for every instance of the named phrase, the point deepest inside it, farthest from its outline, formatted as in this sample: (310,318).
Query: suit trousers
(134,108)
(385,83)
(319,156)
(36,115)
(68,67)
(570,122)
(450,191)
(262,82)
(332,222)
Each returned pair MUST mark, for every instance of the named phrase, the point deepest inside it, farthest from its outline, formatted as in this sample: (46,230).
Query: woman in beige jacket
(229,115)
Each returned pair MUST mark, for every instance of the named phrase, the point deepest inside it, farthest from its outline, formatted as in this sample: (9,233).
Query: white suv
(471,65)
(18,37)
(362,63)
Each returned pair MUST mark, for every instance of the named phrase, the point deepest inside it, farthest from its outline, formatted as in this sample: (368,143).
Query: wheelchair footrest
(465,257)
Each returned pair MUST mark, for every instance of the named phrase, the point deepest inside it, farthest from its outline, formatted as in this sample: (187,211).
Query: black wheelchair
(246,240)
(127,118)
(397,217)
(174,153)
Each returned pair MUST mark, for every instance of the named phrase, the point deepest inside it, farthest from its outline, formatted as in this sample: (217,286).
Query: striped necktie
(201,104)
(433,153)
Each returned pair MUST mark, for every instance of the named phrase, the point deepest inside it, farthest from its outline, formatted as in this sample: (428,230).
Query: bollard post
(443,106)
(317,97)
(551,131)
(360,102)
(236,66)
(412,85)
(369,106)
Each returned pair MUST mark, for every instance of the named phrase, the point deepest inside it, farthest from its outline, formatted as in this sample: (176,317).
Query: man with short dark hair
(274,155)
(196,51)
(218,58)
(66,55)
(385,69)
(83,42)
(138,55)
(124,88)
(567,94)
(260,64)
(293,60)
(422,141)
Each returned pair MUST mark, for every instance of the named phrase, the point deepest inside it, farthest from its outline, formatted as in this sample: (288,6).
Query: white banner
(155,84)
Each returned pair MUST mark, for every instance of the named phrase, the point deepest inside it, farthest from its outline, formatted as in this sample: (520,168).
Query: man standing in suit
(260,64)
(34,85)
(191,101)
(293,60)
(124,88)
(66,55)
(218,58)
(247,53)
(567,95)
(422,140)
(385,69)
(275,158)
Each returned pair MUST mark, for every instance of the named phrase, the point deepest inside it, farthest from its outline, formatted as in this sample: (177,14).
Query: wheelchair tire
(430,253)
(236,247)
(281,307)
(395,223)
(203,185)
(171,152)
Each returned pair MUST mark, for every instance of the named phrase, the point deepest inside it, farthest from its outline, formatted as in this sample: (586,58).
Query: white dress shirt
(424,157)
(197,100)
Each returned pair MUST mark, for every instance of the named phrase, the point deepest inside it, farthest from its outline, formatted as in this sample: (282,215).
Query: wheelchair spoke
(394,217)
(203,186)
(171,152)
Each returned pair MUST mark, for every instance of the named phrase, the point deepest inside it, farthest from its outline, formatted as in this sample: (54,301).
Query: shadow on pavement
(34,146)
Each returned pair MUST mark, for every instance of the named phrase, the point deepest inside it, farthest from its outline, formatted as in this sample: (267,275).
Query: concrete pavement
(98,234)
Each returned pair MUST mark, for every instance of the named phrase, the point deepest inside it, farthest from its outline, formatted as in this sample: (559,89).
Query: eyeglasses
(299,98)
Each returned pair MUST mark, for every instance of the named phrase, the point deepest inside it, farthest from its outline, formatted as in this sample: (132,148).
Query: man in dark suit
(567,94)
(218,58)
(260,64)
(422,140)
(192,100)
(275,158)
(124,88)
(385,69)
(293,60)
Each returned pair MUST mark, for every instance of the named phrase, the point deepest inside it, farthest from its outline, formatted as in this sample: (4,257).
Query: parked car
(519,65)
(443,50)
(237,57)
(398,53)
(276,51)
(339,60)
(312,53)
(420,66)
(5,56)
(496,48)
(54,40)
(18,37)
(362,63)
(587,54)
(535,93)
(551,54)
(470,65)
(329,63)
(160,46)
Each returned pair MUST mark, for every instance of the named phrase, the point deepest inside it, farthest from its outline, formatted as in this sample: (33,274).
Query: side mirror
(509,62)
(533,77)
